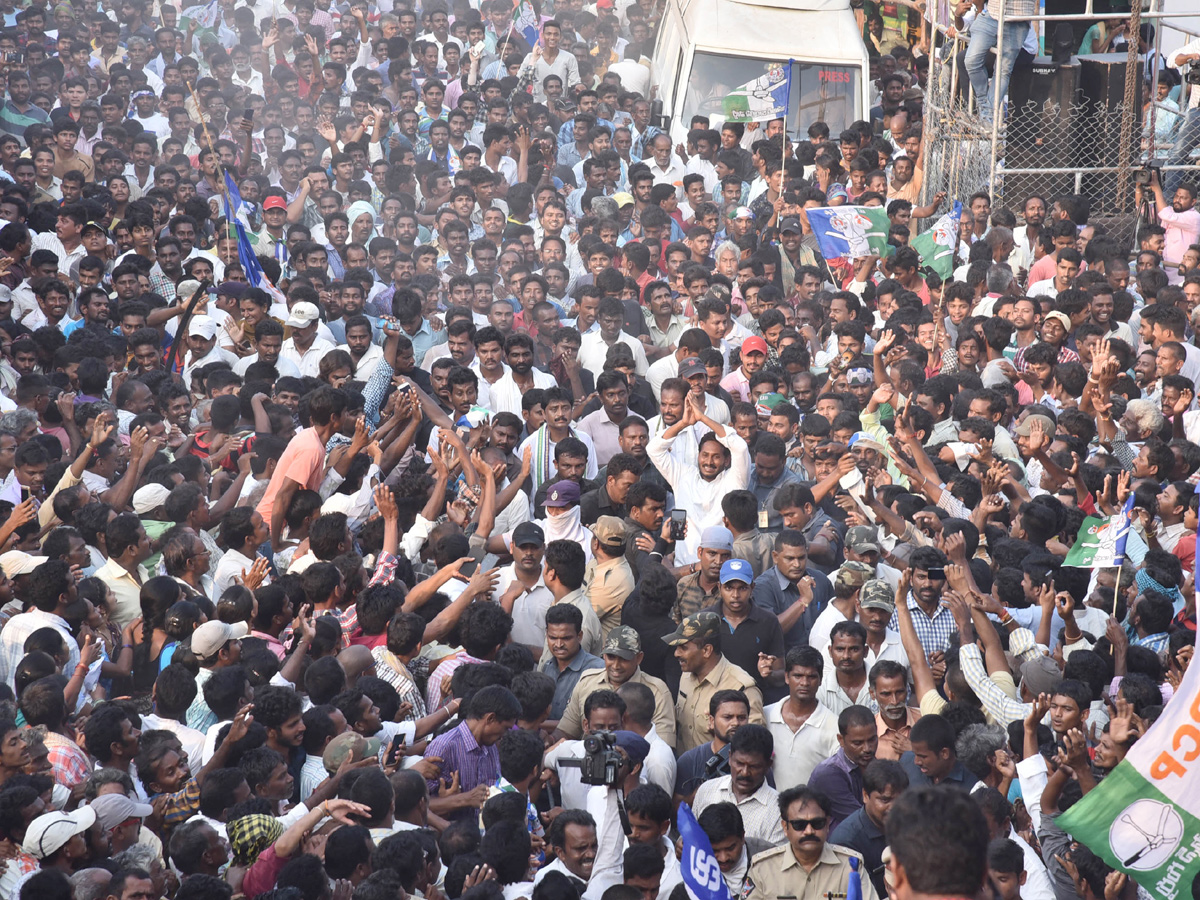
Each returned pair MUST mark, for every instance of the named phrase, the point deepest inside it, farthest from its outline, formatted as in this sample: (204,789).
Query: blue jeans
(1181,153)
(984,33)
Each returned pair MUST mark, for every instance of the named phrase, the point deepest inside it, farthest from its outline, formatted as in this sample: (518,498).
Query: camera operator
(602,711)
(1188,135)
(1178,217)
(605,804)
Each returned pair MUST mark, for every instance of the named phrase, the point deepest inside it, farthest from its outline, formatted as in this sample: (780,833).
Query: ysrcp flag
(850,232)
(937,244)
(205,16)
(761,99)
(1101,542)
(1144,818)
(525,22)
(701,871)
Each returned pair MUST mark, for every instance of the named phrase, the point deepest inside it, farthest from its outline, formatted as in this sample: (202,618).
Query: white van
(708,47)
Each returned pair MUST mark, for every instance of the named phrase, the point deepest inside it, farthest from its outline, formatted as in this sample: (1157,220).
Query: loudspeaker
(1098,122)
(1041,97)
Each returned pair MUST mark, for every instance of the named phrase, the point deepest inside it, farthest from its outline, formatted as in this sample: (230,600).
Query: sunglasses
(804,824)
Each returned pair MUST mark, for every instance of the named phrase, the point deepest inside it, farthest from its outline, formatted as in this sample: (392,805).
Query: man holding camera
(1178,217)
(1189,133)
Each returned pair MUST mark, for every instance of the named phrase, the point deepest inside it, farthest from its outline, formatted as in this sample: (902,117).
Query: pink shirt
(1183,230)
(303,461)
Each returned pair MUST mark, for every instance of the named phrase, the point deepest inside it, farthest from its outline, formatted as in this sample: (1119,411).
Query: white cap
(202,326)
(50,832)
(149,497)
(303,314)
(213,635)
(186,288)
(18,562)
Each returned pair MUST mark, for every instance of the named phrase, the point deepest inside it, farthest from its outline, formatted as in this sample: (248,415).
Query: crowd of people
(422,473)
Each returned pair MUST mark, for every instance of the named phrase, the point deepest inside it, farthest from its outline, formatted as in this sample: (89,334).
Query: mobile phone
(248,115)
(394,749)
(404,388)
(937,574)
(467,569)
(678,522)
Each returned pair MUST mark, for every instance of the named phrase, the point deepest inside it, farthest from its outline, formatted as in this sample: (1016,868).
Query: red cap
(754,345)
(274,203)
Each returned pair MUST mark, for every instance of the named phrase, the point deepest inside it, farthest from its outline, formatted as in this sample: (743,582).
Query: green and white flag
(1144,818)
(937,244)
(1101,542)
(760,99)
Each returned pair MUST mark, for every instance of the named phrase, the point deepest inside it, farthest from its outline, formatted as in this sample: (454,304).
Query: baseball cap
(767,402)
(93,226)
(877,594)
(690,367)
(859,376)
(202,326)
(853,574)
(231,289)
(149,497)
(636,747)
(113,809)
(792,224)
(274,203)
(609,531)
(1061,317)
(1026,427)
(623,199)
(1040,675)
(213,635)
(861,538)
(348,744)
(716,537)
(736,570)
(754,344)
(562,493)
(50,832)
(18,562)
(742,212)
(303,314)
(624,642)
(866,441)
(694,628)
(528,533)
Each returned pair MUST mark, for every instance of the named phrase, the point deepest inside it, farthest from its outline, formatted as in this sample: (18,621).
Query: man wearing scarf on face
(562,522)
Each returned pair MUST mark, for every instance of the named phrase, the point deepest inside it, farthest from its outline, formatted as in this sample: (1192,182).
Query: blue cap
(736,570)
(633,744)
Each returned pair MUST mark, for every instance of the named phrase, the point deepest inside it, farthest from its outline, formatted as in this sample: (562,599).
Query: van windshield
(820,91)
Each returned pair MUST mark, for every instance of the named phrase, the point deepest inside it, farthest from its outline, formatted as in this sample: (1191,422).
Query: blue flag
(235,215)
(850,232)
(701,871)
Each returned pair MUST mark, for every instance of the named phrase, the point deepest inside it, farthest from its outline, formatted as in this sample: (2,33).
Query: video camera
(1192,75)
(1145,175)
(600,762)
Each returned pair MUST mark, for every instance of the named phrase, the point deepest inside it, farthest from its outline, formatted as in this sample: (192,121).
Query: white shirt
(365,367)
(699,498)
(1044,288)
(573,792)
(760,811)
(285,367)
(660,765)
(798,753)
(192,740)
(506,395)
(593,350)
(18,629)
(308,362)
(672,175)
(231,566)
(529,609)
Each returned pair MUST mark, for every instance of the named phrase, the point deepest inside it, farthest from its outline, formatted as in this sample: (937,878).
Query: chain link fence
(1059,136)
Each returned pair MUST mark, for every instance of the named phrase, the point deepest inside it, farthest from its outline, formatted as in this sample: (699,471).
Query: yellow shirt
(607,583)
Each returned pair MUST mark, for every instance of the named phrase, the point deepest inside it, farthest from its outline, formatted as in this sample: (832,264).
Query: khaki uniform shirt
(777,873)
(607,584)
(691,706)
(571,723)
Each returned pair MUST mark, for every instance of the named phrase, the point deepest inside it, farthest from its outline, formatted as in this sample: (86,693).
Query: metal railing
(1045,144)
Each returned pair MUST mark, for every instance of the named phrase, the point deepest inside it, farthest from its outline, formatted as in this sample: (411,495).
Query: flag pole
(213,147)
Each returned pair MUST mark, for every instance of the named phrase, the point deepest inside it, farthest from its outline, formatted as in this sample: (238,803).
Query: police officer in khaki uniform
(622,664)
(806,867)
(697,643)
